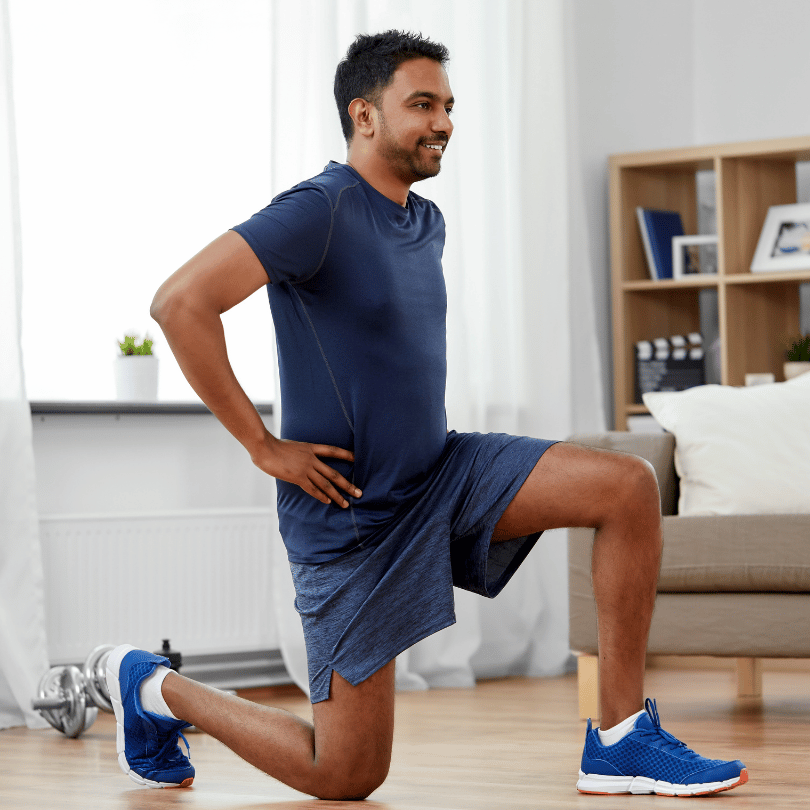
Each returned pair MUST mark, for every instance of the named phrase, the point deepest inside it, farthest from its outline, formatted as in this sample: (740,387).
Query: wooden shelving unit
(757,311)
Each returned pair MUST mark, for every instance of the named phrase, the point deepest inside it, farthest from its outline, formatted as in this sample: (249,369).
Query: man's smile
(435,146)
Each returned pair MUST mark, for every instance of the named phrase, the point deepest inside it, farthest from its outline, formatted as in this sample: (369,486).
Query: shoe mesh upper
(651,752)
(152,749)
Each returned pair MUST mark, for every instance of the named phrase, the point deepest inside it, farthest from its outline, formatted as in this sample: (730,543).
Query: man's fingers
(326,488)
(334,478)
(332,452)
(316,493)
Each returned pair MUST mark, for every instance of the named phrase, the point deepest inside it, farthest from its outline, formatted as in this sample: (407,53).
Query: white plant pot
(136,378)
(793,368)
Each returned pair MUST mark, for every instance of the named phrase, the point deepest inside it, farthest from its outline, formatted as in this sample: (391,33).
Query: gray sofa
(735,586)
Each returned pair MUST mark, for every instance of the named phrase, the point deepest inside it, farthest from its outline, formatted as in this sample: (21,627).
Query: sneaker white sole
(113,668)
(596,783)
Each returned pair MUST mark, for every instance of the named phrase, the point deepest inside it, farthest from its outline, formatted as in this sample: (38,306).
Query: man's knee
(352,786)
(636,484)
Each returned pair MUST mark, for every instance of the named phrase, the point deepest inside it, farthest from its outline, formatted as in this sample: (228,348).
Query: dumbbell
(69,698)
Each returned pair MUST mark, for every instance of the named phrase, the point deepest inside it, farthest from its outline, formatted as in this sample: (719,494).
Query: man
(382,509)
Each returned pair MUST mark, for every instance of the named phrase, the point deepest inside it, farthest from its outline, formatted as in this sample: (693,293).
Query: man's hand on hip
(299,463)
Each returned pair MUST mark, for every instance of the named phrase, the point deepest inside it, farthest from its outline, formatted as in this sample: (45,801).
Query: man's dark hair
(369,65)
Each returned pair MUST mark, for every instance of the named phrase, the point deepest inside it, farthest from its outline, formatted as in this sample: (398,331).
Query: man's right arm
(188,306)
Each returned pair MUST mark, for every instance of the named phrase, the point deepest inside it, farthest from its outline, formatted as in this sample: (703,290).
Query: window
(143,132)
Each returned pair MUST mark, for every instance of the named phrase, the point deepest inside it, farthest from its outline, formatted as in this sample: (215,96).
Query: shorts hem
(379,662)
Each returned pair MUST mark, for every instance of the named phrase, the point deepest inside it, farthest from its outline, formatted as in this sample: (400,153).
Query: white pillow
(740,450)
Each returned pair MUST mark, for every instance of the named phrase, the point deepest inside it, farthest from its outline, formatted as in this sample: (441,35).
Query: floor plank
(511,743)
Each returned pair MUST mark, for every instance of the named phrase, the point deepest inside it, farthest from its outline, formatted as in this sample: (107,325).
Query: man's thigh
(570,486)
(354,728)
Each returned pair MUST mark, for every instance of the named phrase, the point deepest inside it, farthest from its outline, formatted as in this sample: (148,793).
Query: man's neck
(379,177)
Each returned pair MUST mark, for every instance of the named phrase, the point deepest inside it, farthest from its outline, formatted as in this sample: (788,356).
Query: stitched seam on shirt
(331,228)
(337,393)
(326,362)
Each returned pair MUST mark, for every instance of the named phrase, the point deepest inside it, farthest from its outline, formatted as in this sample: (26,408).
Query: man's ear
(362,113)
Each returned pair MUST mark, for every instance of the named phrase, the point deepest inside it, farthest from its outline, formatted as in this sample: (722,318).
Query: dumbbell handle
(50,703)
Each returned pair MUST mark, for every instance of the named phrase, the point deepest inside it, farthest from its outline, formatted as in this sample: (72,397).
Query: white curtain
(522,354)
(23,650)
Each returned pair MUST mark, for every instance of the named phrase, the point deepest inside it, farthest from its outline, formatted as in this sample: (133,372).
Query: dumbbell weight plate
(49,689)
(79,716)
(95,676)
(67,684)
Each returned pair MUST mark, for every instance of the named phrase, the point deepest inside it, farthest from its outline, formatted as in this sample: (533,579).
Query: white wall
(751,69)
(131,463)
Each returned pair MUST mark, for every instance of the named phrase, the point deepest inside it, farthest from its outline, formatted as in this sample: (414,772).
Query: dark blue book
(657,230)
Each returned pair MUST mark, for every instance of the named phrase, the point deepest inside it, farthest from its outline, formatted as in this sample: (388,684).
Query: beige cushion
(737,553)
(766,625)
(717,623)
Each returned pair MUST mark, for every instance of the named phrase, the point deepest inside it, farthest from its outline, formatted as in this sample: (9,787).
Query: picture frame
(784,243)
(693,255)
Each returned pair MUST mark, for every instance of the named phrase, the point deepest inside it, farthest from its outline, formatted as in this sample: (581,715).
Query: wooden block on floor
(588,686)
(749,677)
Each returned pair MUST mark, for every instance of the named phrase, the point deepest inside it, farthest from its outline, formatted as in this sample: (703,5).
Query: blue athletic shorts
(360,610)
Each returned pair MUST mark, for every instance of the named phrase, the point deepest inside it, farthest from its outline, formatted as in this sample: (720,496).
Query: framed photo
(693,255)
(784,243)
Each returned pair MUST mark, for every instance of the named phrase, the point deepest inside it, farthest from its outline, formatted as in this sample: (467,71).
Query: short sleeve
(290,237)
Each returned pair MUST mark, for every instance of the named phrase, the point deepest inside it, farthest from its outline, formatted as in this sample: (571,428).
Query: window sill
(114,408)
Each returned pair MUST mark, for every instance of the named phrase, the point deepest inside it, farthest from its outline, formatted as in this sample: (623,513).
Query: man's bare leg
(345,755)
(616,494)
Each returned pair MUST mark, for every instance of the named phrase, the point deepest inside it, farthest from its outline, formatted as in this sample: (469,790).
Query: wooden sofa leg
(749,677)
(588,686)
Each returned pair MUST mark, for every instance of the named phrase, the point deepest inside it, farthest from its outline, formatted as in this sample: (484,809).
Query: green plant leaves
(799,349)
(130,345)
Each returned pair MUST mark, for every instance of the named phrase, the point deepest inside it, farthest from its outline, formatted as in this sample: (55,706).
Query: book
(657,230)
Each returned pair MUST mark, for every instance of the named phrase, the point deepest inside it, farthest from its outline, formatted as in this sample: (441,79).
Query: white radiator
(201,579)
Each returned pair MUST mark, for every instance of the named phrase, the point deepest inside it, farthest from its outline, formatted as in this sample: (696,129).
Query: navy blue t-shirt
(359,303)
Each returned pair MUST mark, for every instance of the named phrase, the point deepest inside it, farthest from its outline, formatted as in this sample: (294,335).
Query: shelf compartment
(759,320)
(666,188)
(651,314)
(748,188)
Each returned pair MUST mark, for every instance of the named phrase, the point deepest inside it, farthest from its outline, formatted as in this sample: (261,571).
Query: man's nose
(442,123)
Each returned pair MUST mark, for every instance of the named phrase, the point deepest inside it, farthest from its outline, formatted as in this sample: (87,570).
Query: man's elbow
(164,302)
(157,308)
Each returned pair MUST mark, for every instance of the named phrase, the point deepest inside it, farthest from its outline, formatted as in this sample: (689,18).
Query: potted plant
(136,371)
(797,356)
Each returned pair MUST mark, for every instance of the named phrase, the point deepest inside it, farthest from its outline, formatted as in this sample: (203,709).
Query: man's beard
(410,165)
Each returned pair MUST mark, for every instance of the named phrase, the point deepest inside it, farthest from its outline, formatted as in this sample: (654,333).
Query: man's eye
(448,110)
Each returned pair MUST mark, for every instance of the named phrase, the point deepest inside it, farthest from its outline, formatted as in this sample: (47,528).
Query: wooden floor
(507,744)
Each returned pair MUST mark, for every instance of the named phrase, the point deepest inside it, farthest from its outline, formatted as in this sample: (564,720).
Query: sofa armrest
(657,448)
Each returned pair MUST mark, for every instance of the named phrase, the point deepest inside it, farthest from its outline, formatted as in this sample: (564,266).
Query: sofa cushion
(739,450)
(739,553)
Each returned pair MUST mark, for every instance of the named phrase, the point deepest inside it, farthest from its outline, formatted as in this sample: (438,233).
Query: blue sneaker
(649,760)
(148,744)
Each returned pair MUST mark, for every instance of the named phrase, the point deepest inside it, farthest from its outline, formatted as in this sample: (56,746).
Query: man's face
(414,118)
